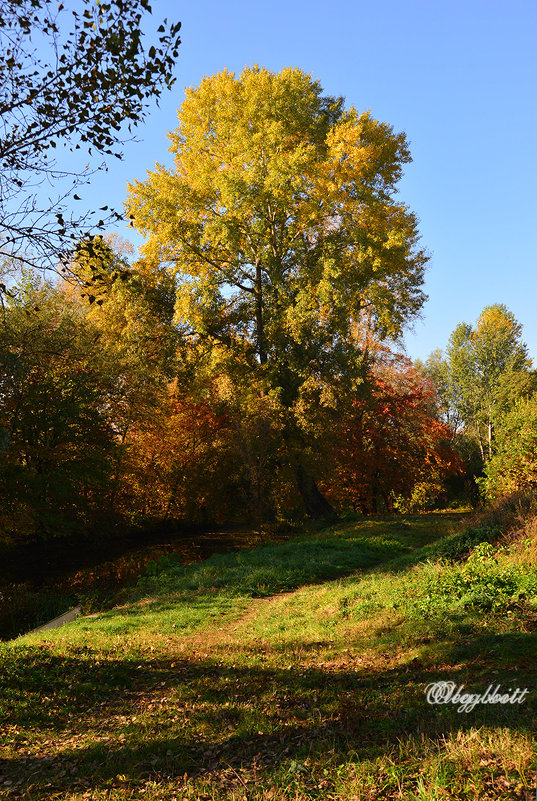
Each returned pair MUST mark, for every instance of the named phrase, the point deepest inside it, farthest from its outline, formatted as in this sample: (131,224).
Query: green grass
(289,671)
(306,559)
(175,598)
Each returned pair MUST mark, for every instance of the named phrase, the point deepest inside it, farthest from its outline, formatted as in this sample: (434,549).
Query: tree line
(111,417)
(485,385)
(244,366)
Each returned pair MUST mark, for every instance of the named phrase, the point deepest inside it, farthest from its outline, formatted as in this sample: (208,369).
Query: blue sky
(458,77)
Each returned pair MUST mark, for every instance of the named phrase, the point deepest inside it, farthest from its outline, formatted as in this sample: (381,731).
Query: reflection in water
(41,581)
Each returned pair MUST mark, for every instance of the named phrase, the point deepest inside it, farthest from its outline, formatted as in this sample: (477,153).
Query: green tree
(513,465)
(56,441)
(437,369)
(281,223)
(489,369)
(78,79)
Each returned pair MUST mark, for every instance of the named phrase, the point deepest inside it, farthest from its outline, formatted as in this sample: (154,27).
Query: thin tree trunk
(481,449)
(259,314)
(172,498)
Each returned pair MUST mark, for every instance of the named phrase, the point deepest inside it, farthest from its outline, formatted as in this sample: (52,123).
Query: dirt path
(200,643)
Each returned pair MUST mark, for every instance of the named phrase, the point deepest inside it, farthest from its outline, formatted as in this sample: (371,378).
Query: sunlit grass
(291,671)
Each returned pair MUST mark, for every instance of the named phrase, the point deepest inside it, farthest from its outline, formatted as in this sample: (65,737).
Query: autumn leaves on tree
(281,225)
(241,366)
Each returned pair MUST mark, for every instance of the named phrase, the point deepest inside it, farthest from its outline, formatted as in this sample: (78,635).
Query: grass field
(289,671)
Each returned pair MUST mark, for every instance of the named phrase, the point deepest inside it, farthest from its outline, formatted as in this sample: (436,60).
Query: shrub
(513,465)
(481,583)
(459,546)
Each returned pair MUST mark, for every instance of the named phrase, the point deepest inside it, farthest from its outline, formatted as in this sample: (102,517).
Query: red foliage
(390,439)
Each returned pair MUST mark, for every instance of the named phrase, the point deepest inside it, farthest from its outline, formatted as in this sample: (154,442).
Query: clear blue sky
(458,77)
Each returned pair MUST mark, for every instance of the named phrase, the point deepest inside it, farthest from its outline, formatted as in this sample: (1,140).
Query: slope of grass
(174,598)
(290,671)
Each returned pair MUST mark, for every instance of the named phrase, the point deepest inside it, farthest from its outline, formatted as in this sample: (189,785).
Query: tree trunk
(481,449)
(316,504)
(259,314)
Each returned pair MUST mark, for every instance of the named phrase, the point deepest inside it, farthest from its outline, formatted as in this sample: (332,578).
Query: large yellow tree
(281,222)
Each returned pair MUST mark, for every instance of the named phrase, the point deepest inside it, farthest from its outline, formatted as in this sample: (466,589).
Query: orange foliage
(179,463)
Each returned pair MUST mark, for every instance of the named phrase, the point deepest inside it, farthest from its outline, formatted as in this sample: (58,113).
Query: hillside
(289,671)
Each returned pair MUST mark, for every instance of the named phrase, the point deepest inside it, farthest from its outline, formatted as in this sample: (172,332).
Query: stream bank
(41,580)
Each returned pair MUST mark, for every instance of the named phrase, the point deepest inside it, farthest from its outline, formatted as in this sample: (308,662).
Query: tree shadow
(105,720)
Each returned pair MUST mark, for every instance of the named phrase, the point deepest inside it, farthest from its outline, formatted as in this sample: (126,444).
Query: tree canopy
(389,445)
(485,361)
(57,441)
(281,222)
(78,79)
(513,464)
(280,217)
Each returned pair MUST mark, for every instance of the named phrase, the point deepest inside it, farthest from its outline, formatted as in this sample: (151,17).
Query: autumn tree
(281,222)
(71,80)
(131,310)
(57,443)
(389,442)
(181,464)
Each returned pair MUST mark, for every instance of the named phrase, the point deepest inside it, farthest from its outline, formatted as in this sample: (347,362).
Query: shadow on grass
(104,721)
(273,568)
